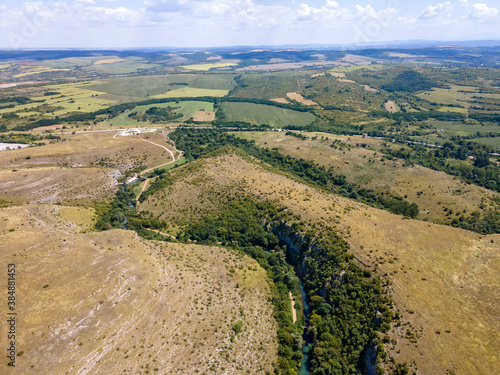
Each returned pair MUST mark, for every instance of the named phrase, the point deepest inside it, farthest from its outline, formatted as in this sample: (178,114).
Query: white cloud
(93,23)
(305,12)
(119,14)
(480,11)
(436,11)
(366,12)
(331,4)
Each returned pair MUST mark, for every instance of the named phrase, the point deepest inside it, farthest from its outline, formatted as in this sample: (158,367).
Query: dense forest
(409,81)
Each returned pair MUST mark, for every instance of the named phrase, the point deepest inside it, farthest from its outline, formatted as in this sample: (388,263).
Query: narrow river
(305,367)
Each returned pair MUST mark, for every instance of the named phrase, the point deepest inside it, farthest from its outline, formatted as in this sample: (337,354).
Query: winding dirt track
(294,311)
(159,232)
(161,165)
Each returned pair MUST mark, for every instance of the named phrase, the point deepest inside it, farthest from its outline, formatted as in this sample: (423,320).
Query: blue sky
(208,23)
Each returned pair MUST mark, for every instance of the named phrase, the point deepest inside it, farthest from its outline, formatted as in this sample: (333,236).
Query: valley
(227,211)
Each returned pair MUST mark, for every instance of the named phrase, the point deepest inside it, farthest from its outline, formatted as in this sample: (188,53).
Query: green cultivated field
(213,81)
(450,128)
(191,92)
(264,114)
(102,64)
(140,87)
(167,167)
(188,109)
(71,97)
(205,67)
(457,95)
(345,69)
(495,142)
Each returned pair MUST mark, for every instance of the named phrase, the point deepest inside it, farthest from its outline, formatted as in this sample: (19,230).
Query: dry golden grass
(87,149)
(298,97)
(390,106)
(205,66)
(280,100)
(57,185)
(37,70)
(204,116)
(441,278)
(191,92)
(370,89)
(110,303)
(83,168)
(109,61)
(432,191)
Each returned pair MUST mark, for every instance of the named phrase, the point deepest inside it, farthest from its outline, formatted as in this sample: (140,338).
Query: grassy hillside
(441,279)
(80,167)
(84,149)
(440,196)
(112,303)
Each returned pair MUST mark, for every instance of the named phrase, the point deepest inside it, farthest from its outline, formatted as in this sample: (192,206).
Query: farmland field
(263,114)
(190,92)
(102,64)
(90,96)
(495,142)
(205,67)
(187,108)
(456,95)
(448,129)
(346,69)
(70,97)
(143,86)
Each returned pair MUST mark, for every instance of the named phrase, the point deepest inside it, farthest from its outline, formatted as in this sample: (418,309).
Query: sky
(214,23)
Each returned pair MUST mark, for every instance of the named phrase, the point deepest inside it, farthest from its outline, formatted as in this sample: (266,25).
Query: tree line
(195,143)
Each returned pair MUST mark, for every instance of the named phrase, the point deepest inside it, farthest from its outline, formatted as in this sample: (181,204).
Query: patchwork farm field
(67,98)
(84,149)
(190,92)
(37,70)
(264,114)
(103,64)
(352,68)
(143,86)
(462,96)
(205,67)
(448,129)
(90,96)
(494,142)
